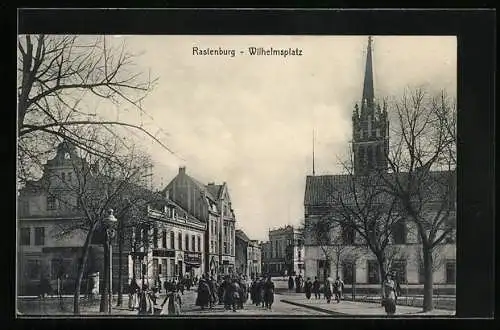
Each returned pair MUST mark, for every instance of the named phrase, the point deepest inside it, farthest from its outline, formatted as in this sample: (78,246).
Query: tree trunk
(81,268)
(104,295)
(382,274)
(120,266)
(428,280)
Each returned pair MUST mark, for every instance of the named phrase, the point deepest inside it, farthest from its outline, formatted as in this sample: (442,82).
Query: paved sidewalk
(357,308)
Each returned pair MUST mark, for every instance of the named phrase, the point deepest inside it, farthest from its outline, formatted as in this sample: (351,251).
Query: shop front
(192,262)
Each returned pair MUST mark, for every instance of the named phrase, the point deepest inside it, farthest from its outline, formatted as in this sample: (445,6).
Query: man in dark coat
(308,288)
(213,291)
(316,287)
(203,298)
(290,283)
(269,292)
(253,291)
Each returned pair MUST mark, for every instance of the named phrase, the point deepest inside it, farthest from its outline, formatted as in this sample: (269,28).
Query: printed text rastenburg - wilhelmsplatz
(252,51)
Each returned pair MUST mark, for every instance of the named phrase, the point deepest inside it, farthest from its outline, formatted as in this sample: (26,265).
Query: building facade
(46,208)
(211,204)
(165,243)
(254,259)
(348,258)
(170,245)
(248,256)
(285,252)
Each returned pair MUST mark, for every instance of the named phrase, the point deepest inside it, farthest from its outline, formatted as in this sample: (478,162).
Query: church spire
(368,93)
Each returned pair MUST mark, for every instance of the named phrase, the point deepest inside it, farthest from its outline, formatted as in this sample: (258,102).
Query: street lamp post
(109,222)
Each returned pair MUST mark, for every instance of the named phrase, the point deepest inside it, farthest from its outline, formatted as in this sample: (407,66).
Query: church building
(370,145)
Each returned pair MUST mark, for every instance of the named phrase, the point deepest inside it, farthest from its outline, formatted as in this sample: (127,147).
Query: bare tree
(323,232)
(99,184)
(61,80)
(422,171)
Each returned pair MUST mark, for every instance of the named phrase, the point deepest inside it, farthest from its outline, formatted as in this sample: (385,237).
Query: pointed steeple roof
(368,92)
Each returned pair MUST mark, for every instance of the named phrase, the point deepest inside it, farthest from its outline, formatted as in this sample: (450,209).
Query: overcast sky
(248,120)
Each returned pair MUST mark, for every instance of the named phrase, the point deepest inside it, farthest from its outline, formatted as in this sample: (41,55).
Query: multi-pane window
(451,269)
(51,202)
(373,272)
(155,267)
(172,269)
(199,244)
(193,243)
(421,272)
(172,240)
(164,239)
(399,267)
(399,232)
(155,237)
(25,238)
(186,242)
(212,246)
(56,268)
(39,235)
(164,270)
(179,238)
(225,248)
(348,271)
(348,235)
(33,269)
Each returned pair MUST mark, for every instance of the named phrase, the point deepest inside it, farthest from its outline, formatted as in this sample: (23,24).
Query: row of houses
(188,231)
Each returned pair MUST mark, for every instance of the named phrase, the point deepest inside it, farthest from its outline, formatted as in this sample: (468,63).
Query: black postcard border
(475,30)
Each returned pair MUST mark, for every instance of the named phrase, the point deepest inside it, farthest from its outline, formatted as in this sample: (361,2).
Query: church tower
(370,125)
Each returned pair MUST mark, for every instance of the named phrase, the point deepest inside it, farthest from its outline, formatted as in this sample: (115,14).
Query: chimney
(182,170)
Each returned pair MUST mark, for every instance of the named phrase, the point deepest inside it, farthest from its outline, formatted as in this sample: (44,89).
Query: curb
(319,309)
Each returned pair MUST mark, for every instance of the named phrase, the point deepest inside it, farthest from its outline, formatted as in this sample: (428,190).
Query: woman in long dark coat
(269,292)
(253,292)
(390,295)
(262,292)
(203,297)
(290,283)
(308,288)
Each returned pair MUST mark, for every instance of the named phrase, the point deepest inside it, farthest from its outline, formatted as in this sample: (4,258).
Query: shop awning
(192,264)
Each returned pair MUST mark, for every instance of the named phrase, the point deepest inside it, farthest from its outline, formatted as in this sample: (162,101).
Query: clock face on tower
(66,156)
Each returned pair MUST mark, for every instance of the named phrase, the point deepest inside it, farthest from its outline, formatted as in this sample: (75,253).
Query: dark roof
(326,189)
(241,235)
(214,189)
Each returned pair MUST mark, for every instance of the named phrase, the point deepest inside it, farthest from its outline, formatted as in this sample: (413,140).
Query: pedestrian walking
(213,291)
(269,293)
(316,287)
(145,302)
(203,297)
(339,288)
(308,288)
(234,294)
(389,301)
(297,284)
(133,295)
(290,283)
(172,303)
(262,292)
(328,289)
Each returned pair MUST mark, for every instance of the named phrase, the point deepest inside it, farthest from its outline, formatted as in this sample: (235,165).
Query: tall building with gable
(210,203)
